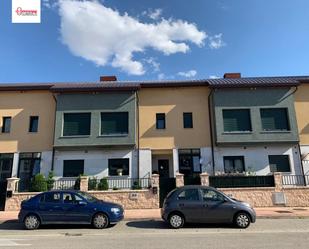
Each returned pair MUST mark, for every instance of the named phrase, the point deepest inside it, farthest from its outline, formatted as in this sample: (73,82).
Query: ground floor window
(73,168)
(189,161)
(6,163)
(234,164)
(29,165)
(118,167)
(279,163)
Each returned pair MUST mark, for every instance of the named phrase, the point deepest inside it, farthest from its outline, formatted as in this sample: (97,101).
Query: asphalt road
(265,233)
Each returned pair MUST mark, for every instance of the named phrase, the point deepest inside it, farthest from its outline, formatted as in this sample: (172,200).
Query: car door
(190,204)
(50,208)
(216,208)
(76,209)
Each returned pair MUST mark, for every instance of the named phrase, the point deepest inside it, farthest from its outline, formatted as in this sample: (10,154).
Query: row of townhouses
(134,129)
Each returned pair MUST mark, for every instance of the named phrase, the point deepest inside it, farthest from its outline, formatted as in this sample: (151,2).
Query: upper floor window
(160,120)
(279,163)
(76,124)
(6,124)
(34,124)
(237,120)
(114,123)
(234,164)
(275,119)
(187,120)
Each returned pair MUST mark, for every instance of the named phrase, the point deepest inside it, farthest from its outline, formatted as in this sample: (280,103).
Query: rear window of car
(50,197)
(189,195)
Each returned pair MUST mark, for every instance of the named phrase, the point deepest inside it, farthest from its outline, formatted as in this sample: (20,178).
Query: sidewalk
(272,212)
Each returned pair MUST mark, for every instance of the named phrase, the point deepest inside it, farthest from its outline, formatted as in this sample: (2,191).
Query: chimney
(108,78)
(232,76)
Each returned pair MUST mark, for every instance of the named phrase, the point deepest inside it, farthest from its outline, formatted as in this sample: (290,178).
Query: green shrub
(103,184)
(38,183)
(136,185)
(50,180)
(115,188)
(92,183)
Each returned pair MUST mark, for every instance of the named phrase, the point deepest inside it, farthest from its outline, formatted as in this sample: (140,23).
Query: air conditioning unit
(278,198)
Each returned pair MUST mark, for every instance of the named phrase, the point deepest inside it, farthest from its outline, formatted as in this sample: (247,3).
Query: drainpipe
(53,153)
(211,130)
(137,126)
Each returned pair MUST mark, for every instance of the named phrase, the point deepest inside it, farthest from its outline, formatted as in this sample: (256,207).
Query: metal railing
(63,184)
(241,181)
(119,183)
(295,180)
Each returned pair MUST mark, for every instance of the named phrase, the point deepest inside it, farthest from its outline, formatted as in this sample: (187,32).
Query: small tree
(103,184)
(50,180)
(38,183)
(92,183)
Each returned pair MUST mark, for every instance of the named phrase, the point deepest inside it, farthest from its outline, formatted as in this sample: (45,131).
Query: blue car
(68,207)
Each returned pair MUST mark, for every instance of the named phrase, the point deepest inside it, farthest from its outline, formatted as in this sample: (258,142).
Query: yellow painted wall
(20,106)
(173,102)
(302,112)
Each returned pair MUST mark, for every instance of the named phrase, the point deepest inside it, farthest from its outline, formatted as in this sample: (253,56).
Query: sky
(155,40)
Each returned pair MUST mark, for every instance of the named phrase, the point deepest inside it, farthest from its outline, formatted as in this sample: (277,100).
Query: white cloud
(188,74)
(153,63)
(106,37)
(155,14)
(50,4)
(216,41)
(214,77)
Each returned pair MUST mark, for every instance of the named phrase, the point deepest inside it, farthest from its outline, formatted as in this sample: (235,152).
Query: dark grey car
(199,204)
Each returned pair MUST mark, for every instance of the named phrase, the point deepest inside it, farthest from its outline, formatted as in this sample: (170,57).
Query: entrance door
(29,166)
(6,163)
(163,166)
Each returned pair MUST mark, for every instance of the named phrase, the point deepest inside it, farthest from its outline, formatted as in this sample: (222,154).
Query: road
(265,233)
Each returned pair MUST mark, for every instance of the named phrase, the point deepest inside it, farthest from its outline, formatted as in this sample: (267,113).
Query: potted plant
(119,172)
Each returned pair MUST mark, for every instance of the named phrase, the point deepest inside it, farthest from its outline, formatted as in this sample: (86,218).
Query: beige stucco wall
(302,112)
(20,106)
(173,102)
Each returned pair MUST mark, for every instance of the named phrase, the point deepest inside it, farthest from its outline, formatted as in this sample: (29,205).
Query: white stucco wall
(305,155)
(46,162)
(144,163)
(95,161)
(256,157)
(206,160)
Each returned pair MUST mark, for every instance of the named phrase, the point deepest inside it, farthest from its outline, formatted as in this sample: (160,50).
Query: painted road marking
(11,242)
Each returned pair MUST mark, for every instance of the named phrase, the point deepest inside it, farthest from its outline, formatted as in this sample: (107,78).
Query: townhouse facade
(27,127)
(134,129)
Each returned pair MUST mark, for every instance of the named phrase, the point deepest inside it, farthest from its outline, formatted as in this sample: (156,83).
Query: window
(275,119)
(160,123)
(76,124)
(6,164)
(189,195)
(234,164)
(237,120)
(34,124)
(279,163)
(189,161)
(114,123)
(73,168)
(210,195)
(118,167)
(6,124)
(52,197)
(187,120)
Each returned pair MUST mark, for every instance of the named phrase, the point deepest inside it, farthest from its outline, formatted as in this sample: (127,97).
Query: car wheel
(242,220)
(100,221)
(31,222)
(176,220)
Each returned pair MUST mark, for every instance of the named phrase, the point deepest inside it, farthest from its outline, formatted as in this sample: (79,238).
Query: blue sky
(147,40)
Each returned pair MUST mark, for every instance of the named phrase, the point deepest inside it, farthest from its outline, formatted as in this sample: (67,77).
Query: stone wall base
(129,199)
(263,197)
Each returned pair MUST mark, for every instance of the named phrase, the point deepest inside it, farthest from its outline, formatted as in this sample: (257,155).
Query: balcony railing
(295,180)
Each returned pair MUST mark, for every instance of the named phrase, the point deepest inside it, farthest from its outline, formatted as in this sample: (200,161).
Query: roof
(258,82)
(282,81)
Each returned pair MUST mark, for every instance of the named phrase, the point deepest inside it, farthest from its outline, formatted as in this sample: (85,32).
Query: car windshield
(88,197)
